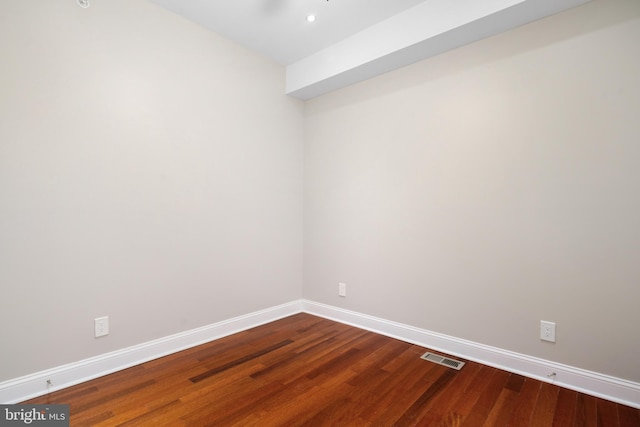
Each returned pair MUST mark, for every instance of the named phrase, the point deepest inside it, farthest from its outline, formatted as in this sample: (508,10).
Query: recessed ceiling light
(311,17)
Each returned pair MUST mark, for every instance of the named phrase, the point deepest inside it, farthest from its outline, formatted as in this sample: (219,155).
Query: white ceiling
(279,29)
(352,40)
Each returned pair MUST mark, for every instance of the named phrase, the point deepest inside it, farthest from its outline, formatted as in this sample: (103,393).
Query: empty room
(320,212)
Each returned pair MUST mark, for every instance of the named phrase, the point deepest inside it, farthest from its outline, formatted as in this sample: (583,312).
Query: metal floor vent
(444,361)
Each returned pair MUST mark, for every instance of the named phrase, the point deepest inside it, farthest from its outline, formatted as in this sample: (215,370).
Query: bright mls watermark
(34,415)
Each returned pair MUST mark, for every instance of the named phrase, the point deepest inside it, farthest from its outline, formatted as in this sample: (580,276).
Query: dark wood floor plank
(328,415)
(302,409)
(397,391)
(95,420)
(629,417)
(308,371)
(322,351)
(310,340)
(487,400)
(565,413)
(102,399)
(443,403)
(213,371)
(586,411)
(154,417)
(515,383)
(545,406)
(370,367)
(420,406)
(607,413)
(505,405)
(468,397)
(234,410)
(525,404)
(399,408)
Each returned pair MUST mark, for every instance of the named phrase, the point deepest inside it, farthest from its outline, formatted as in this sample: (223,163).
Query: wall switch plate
(342,289)
(547,331)
(101,326)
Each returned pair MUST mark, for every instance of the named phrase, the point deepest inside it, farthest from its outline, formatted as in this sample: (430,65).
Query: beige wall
(479,192)
(150,171)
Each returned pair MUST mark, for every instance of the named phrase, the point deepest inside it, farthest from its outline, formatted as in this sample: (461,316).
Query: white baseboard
(588,382)
(592,383)
(30,386)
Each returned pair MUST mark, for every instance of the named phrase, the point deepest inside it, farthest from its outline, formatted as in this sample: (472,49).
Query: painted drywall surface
(150,171)
(479,192)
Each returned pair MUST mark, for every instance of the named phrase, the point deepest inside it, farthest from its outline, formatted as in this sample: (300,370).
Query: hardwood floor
(309,371)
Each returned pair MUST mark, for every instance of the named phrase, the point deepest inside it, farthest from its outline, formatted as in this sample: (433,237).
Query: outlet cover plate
(101,326)
(342,289)
(547,331)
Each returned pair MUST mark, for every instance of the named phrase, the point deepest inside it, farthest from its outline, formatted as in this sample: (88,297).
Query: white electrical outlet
(101,326)
(547,331)
(342,289)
